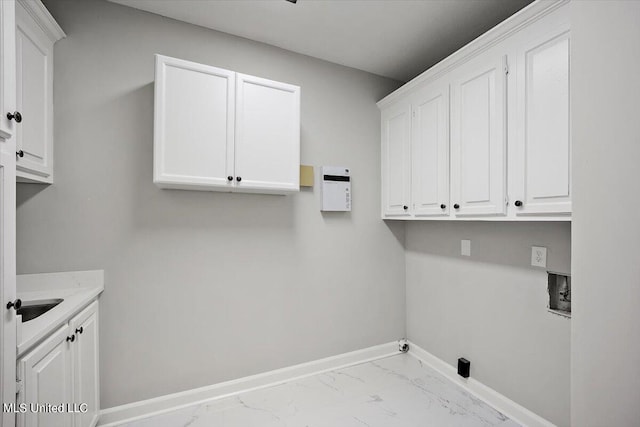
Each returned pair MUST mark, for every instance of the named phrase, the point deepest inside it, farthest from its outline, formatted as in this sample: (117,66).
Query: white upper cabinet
(223,131)
(396,158)
(36,32)
(542,145)
(267,148)
(489,135)
(430,151)
(194,124)
(478,140)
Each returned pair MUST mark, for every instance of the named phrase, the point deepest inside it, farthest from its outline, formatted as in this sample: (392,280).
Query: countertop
(77,288)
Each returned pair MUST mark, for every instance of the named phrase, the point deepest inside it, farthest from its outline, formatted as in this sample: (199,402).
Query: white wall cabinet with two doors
(484,134)
(63,369)
(220,130)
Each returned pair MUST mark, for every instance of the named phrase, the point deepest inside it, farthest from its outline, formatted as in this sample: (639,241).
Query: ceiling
(392,38)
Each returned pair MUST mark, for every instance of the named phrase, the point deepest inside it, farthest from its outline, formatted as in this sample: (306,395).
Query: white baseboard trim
(516,412)
(117,415)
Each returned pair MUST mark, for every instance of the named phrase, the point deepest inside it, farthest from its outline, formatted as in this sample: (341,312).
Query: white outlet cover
(465,247)
(538,256)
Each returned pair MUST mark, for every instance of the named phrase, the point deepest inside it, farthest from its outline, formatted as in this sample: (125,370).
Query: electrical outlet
(465,247)
(538,256)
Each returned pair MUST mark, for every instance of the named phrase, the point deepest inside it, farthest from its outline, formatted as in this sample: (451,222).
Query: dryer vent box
(559,286)
(336,189)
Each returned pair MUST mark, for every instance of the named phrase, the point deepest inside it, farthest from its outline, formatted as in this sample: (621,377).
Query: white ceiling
(392,38)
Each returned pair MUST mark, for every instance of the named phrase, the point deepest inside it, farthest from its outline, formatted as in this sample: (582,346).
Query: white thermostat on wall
(336,189)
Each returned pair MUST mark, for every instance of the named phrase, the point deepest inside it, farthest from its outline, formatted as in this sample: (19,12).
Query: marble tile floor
(397,391)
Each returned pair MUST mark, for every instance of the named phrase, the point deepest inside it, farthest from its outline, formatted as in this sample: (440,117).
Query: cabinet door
(85,365)
(478,154)
(7,211)
(396,160)
(7,66)
(267,145)
(7,275)
(430,151)
(543,138)
(46,376)
(193,129)
(34,99)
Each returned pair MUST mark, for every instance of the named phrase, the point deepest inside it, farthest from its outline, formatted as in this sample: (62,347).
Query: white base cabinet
(86,367)
(62,370)
(219,130)
(485,134)
(45,375)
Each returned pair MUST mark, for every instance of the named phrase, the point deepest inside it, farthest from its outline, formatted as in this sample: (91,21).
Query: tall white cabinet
(27,34)
(219,130)
(484,134)
(7,209)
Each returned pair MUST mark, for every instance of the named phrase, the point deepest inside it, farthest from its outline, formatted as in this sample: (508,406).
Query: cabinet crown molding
(505,29)
(43,18)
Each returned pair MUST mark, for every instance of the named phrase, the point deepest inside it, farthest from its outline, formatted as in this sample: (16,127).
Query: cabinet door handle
(456,206)
(443,206)
(405,207)
(238,178)
(15,116)
(518,203)
(72,338)
(20,153)
(80,330)
(229,178)
(15,304)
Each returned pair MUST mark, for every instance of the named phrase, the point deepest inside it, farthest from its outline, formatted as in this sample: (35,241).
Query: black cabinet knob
(443,206)
(20,153)
(238,178)
(15,304)
(405,207)
(72,338)
(518,203)
(80,330)
(456,206)
(229,178)
(15,116)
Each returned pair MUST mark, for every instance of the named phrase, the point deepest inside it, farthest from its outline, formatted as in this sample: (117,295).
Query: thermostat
(336,189)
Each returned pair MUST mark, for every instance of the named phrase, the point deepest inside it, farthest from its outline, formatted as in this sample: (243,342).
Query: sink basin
(32,309)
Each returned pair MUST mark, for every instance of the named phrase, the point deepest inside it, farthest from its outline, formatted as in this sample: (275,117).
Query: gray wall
(491,307)
(204,287)
(605,352)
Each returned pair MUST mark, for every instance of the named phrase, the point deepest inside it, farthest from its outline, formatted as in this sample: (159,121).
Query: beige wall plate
(306,176)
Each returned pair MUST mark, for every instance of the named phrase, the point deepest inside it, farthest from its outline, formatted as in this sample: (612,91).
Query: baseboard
(134,411)
(516,412)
